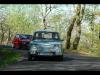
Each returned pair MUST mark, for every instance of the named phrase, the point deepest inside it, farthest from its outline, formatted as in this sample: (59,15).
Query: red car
(21,41)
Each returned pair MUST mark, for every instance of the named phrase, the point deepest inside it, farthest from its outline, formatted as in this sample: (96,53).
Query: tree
(20,21)
(91,15)
(3,26)
(69,32)
(75,20)
(99,34)
(80,13)
(47,9)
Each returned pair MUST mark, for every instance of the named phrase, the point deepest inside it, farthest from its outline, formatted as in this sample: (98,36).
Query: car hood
(25,40)
(45,42)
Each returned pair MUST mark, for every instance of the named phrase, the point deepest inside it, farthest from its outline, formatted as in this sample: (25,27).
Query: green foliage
(88,14)
(8,56)
(25,19)
(19,20)
(89,44)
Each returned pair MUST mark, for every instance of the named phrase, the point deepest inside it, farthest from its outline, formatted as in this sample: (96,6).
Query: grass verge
(85,52)
(8,56)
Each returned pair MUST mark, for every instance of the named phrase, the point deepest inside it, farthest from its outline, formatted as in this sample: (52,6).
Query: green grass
(92,51)
(8,56)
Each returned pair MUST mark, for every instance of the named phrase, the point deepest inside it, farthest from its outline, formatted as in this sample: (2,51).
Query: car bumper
(47,57)
(25,45)
(53,55)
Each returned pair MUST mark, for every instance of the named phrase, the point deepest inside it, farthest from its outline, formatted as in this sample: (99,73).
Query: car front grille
(46,48)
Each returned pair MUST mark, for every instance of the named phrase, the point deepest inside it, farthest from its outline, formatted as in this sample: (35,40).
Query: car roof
(23,34)
(46,31)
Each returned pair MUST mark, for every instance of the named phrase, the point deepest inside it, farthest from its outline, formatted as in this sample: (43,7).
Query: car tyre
(29,57)
(60,58)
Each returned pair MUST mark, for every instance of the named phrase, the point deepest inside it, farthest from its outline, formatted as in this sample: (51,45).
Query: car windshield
(46,35)
(25,36)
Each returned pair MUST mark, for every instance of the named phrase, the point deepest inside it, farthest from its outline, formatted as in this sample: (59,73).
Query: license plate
(45,53)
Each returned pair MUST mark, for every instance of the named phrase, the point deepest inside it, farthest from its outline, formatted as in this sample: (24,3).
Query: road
(71,62)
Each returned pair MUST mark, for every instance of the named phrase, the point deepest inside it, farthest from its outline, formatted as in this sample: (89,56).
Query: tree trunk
(2,35)
(9,34)
(44,22)
(77,38)
(71,27)
(69,33)
(47,11)
(99,34)
(80,13)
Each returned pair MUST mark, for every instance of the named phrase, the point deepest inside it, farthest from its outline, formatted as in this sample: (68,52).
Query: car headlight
(57,48)
(33,48)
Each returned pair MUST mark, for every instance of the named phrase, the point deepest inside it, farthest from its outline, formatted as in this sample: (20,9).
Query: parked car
(45,44)
(21,41)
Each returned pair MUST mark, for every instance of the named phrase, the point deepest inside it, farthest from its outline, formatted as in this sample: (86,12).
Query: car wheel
(60,58)
(29,57)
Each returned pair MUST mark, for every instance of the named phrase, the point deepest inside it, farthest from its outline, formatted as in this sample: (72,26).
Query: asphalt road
(71,62)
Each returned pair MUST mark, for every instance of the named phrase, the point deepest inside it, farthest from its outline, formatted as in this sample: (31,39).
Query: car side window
(55,36)
(38,35)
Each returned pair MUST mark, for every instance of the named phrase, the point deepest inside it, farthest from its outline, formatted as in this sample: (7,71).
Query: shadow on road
(53,59)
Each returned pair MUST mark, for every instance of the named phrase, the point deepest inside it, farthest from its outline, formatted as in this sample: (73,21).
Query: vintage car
(45,44)
(21,41)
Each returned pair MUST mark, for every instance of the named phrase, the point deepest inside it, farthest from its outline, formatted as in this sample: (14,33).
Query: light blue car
(46,44)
